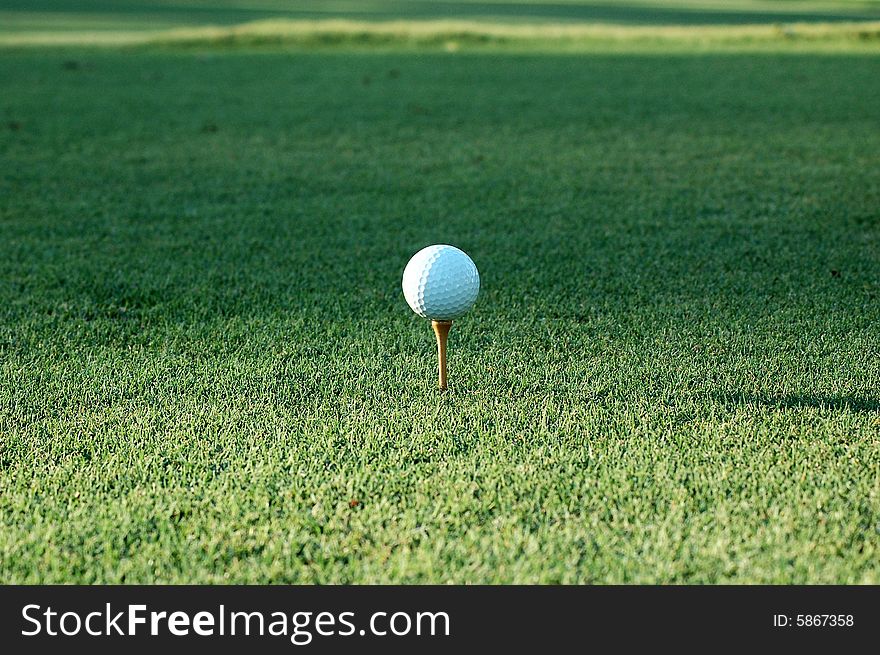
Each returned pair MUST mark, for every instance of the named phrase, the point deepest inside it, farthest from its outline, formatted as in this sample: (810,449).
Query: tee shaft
(441,329)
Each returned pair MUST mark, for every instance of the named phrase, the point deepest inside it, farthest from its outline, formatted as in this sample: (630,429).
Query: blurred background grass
(562,24)
(17,15)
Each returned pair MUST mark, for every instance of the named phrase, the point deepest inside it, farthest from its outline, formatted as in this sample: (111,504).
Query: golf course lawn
(208,372)
(115,15)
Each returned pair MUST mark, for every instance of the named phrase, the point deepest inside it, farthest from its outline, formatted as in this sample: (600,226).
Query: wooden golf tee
(441,329)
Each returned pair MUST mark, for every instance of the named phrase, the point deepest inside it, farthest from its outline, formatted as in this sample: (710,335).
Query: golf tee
(441,329)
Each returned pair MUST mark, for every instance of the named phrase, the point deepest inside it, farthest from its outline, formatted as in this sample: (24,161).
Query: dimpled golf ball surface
(441,282)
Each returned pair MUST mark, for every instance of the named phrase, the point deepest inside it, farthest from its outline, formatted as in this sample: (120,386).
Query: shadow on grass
(818,401)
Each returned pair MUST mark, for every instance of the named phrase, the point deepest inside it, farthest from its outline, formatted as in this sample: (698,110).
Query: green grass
(539,25)
(208,372)
(67,15)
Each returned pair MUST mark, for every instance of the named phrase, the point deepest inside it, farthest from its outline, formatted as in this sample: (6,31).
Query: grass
(208,372)
(116,15)
(563,25)
(454,35)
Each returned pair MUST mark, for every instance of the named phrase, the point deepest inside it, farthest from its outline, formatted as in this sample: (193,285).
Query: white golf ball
(441,283)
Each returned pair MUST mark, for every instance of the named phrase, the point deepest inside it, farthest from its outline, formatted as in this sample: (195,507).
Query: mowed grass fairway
(208,372)
(115,15)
